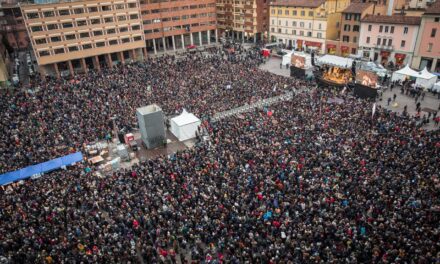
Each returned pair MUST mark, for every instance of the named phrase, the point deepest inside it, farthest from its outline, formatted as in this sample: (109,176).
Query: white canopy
(185,125)
(403,73)
(426,79)
(436,87)
(337,61)
(287,58)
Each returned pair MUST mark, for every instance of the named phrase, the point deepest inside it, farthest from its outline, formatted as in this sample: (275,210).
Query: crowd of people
(309,180)
(58,116)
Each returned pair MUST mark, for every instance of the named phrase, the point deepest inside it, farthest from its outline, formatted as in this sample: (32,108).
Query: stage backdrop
(366,78)
(298,61)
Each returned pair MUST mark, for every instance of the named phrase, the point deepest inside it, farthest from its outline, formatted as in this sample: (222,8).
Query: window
(97,33)
(93,9)
(355,39)
(134,16)
(301,24)
(310,25)
(273,11)
(111,31)
(390,42)
(429,47)
(386,29)
(392,29)
(402,44)
(55,39)
(319,35)
(345,38)
(294,13)
(70,37)
(369,27)
(433,32)
(73,48)
(106,8)
(405,30)
(380,29)
(346,27)
(108,19)
(123,29)
(100,44)
(287,23)
(84,35)
(368,40)
(437,19)
(294,24)
(95,21)
(36,28)
(132,5)
(81,23)
(353,50)
(87,46)
(125,40)
(303,13)
(64,12)
(279,22)
(294,32)
(310,13)
(78,10)
(319,26)
(279,30)
(286,12)
(273,22)
(309,34)
(67,25)
(122,18)
(48,14)
(378,41)
(384,42)
(119,6)
(137,38)
(59,51)
(44,53)
(301,33)
(280,12)
(355,28)
(40,41)
(113,42)
(52,26)
(272,29)
(347,16)
(135,27)
(32,15)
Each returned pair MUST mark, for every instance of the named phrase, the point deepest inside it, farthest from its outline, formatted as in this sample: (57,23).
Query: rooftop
(357,8)
(298,3)
(434,9)
(394,19)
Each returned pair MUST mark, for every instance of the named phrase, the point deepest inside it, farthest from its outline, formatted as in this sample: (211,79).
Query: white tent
(403,73)
(336,61)
(287,58)
(436,87)
(184,126)
(426,79)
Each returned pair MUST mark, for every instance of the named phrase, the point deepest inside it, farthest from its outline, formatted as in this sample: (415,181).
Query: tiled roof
(356,8)
(434,8)
(394,19)
(299,3)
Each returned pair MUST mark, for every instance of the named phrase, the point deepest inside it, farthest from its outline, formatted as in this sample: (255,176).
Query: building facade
(389,40)
(427,51)
(306,24)
(243,19)
(347,41)
(171,25)
(72,37)
(12,25)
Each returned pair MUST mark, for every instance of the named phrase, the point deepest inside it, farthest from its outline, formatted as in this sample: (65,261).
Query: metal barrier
(246,108)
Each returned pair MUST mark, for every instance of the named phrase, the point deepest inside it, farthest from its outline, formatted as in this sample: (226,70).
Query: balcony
(384,47)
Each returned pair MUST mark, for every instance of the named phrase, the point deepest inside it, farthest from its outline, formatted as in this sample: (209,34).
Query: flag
(374,110)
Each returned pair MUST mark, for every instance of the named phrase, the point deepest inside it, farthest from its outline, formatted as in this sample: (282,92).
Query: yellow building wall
(333,25)
(333,6)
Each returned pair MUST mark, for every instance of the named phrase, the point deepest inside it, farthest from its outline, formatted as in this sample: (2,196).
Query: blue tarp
(40,168)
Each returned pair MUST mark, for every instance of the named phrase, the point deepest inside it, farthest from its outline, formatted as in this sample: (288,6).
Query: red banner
(331,46)
(344,48)
(313,44)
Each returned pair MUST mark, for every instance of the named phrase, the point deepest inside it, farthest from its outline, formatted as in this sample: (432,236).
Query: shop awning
(313,44)
(331,46)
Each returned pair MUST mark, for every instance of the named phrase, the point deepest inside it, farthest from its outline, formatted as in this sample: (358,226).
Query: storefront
(311,45)
(384,57)
(331,49)
(400,58)
(345,51)
(299,44)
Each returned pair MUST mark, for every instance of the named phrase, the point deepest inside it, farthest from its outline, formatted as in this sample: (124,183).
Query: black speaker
(313,58)
(353,67)
(121,137)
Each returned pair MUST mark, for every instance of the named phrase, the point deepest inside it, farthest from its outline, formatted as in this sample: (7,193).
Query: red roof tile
(394,19)
(299,3)
(356,8)
(434,8)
